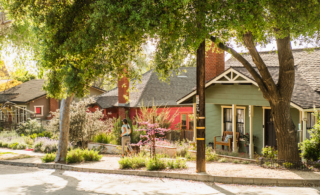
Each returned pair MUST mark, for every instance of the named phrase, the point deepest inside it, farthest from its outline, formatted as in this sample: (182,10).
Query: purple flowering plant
(151,129)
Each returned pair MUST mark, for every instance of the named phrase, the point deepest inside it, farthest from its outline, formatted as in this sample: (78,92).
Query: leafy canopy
(81,40)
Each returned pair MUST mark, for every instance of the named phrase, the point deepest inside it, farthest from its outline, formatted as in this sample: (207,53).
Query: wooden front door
(270,133)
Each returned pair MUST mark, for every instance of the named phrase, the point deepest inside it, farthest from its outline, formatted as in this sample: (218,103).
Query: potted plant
(246,138)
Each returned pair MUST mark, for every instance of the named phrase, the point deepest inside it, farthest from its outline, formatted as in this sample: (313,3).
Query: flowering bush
(151,130)
(44,144)
(29,127)
(84,124)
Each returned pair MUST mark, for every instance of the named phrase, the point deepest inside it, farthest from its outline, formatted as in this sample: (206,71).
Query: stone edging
(185,176)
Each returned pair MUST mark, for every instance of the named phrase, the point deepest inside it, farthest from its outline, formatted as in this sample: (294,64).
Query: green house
(235,103)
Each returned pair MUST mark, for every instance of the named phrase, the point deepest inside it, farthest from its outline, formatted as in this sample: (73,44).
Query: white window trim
(41,110)
(25,107)
(222,116)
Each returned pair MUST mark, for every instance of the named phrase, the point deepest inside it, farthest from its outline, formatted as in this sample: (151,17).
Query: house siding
(235,94)
(43,101)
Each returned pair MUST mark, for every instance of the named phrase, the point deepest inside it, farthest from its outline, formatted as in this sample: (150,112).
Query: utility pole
(201,158)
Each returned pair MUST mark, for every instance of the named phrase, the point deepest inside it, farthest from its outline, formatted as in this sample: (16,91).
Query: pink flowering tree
(151,130)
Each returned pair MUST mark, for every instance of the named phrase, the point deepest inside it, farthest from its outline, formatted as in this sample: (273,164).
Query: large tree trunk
(64,125)
(285,131)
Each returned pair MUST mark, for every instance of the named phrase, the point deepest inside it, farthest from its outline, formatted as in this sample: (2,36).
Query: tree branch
(286,68)
(246,64)
(263,70)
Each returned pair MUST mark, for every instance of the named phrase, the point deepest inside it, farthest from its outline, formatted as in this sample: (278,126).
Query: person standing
(125,135)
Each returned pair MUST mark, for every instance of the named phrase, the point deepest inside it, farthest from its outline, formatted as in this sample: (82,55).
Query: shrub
(30,127)
(222,160)
(22,146)
(132,162)
(311,147)
(269,152)
(84,124)
(49,157)
(75,156)
(182,148)
(245,162)
(4,144)
(155,164)
(177,164)
(235,162)
(44,144)
(287,165)
(91,155)
(14,145)
(211,156)
(102,137)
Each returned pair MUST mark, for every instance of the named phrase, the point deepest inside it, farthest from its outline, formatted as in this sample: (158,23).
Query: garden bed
(105,148)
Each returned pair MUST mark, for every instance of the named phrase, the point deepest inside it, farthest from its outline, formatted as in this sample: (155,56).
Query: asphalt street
(33,181)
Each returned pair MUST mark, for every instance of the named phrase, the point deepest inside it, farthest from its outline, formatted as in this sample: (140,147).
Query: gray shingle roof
(25,92)
(303,95)
(152,91)
(307,64)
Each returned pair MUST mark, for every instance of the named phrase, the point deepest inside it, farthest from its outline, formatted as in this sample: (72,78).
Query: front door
(270,133)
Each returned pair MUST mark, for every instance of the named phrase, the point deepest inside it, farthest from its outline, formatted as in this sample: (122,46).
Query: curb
(185,176)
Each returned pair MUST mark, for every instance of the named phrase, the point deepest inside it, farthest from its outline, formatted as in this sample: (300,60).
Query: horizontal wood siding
(235,94)
(213,122)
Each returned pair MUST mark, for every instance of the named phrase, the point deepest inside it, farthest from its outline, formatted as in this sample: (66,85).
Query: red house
(152,91)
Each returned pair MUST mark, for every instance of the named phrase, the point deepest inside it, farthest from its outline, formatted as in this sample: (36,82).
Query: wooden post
(201,160)
(251,146)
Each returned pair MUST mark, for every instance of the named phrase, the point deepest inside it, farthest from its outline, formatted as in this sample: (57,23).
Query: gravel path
(213,168)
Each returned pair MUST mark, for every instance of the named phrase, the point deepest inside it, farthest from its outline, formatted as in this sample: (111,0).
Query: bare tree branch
(263,70)
(246,64)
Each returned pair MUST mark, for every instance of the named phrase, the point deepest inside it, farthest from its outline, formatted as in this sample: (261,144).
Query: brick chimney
(214,62)
(123,93)
(53,106)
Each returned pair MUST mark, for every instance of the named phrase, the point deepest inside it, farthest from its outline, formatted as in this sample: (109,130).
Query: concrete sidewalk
(91,167)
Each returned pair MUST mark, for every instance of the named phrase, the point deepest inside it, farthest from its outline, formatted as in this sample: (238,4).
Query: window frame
(308,122)
(40,106)
(222,117)
(187,120)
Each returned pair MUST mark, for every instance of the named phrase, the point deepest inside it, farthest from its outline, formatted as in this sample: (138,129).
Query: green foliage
(311,147)
(135,162)
(102,137)
(235,162)
(49,157)
(212,156)
(155,164)
(269,152)
(179,163)
(30,127)
(245,162)
(287,165)
(91,155)
(14,145)
(116,132)
(78,155)
(75,156)
(222,160)
(135,135)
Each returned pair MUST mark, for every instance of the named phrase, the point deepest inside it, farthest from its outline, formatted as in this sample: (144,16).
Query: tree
(180,27)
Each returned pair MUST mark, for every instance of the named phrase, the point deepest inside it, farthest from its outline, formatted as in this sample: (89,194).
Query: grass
(235,162)
(2,153)
(245,162)
(20,156)
(75,156)
(91,155)
(155,164)
(135,162)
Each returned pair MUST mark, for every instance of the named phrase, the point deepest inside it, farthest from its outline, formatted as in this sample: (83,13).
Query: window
(38,110)
(310,122)
(186,121)
(227,120)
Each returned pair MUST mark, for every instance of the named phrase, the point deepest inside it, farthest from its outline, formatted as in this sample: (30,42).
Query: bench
(223,143)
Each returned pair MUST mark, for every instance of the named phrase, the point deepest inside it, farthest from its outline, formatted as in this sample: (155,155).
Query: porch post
(251,146)
(194,122)
(304,128)
(234,127)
